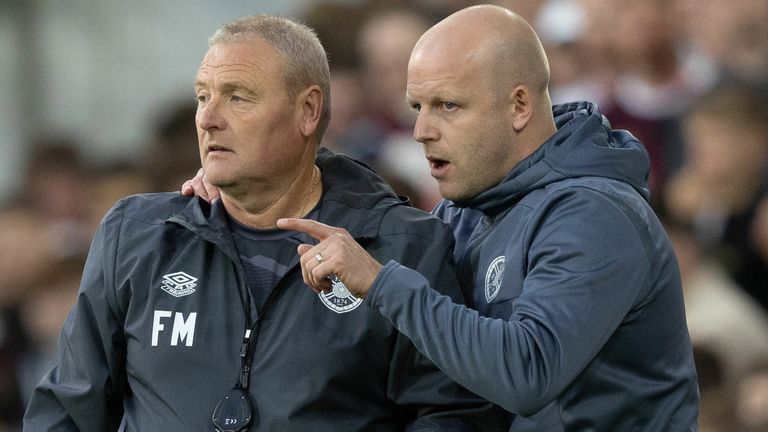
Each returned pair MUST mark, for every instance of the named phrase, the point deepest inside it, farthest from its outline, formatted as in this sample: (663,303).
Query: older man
(194,317)
(581,324)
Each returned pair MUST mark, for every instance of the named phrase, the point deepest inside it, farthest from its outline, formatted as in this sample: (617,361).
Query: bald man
(578,320)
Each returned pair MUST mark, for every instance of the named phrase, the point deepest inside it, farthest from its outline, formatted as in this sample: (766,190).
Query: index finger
(315,229)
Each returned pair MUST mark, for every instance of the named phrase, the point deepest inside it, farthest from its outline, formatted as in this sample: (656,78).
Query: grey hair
(306,60)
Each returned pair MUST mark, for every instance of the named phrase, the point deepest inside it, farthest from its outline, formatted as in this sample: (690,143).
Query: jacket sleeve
(415,383)
(586,266)
(84,390)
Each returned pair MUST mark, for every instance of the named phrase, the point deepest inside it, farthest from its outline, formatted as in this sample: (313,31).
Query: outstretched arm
(414,382)
(579,285)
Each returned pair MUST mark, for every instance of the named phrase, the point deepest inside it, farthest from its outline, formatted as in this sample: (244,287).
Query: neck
(533,137)
(262,208)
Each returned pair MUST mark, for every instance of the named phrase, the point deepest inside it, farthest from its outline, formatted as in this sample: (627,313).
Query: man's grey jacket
(569,258)
(155,337)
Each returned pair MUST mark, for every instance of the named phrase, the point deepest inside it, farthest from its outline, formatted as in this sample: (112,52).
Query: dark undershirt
(266,255)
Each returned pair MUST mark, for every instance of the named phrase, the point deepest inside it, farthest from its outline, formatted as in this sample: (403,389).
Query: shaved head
(493,39)
(478,81)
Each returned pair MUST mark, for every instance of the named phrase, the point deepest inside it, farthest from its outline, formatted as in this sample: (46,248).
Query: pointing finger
(317,230)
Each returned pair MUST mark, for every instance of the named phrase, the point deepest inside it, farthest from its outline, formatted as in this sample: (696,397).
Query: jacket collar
(354,197)
(583,146)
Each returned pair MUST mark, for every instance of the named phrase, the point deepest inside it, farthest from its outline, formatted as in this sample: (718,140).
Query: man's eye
(448,106)
(202,98)
(416,107)
(236,98)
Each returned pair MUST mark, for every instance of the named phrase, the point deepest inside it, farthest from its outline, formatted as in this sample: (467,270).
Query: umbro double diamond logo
(179,284)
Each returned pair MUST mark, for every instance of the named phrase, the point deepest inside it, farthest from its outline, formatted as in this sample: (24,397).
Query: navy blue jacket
(154,339)
(579,322)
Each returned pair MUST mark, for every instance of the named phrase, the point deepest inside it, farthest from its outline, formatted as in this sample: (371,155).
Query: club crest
(339,299)
(179,284)
(493,278)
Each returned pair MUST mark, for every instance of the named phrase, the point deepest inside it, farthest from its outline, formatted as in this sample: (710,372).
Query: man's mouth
(437,166)
(439,163)
(213,148)
(436,162)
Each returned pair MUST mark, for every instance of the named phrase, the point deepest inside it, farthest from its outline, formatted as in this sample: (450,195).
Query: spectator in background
(716,401)
(386,40)
(54,183)
(170,157)
(42,312)
(27,249)
(368,53)
(338,26)
(720,315)
(374,120)
(759,230)
(47,222)
(752,399)
(719,189)
(348,125)
(733,34)
(577,69)
(654,79)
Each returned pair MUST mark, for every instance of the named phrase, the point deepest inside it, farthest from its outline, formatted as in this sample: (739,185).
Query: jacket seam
(417,234)
(113,275)
(627,213)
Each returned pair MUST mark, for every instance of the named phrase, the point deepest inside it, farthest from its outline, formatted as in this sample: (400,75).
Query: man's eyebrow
(428,100)
(231,86)
(199,84)
(228,87)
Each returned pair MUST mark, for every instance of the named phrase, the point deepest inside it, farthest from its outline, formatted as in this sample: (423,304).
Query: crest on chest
(339,299)
(493,278)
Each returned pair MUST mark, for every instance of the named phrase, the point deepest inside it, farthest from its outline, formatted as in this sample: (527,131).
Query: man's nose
(423,130)
(209,116)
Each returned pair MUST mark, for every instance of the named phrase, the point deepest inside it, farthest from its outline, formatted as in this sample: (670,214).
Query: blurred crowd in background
(689,78)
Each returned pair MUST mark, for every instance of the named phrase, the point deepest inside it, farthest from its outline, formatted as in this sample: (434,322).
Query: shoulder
(573,198)
(151,208)
(601,215)
(404,220)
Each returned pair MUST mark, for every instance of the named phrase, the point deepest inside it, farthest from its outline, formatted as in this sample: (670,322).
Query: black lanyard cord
(245,361)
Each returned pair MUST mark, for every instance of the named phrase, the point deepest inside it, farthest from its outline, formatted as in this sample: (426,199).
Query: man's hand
(199,186)
(337,254)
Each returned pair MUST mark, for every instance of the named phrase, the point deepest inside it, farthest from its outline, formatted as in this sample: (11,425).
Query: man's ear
(521,107)
(310,104)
